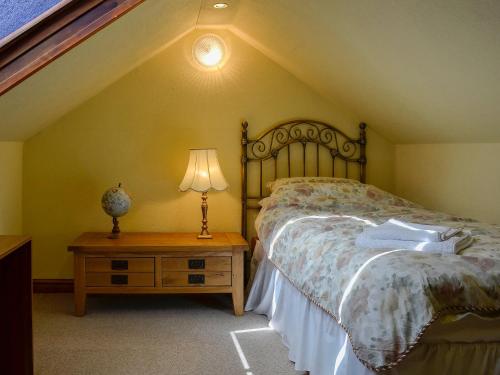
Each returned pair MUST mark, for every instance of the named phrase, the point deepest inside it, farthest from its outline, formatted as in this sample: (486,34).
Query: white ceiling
(416,71)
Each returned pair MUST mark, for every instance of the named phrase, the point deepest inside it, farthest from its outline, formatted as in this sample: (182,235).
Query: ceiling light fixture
(220,5)
(209,50)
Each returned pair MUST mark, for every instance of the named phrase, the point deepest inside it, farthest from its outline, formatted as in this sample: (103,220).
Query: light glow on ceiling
(209,51)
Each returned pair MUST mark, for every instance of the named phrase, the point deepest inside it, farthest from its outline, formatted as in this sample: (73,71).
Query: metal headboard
(281,138)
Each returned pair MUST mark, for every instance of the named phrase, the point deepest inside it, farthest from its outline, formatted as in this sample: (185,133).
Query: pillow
(274,185)
(331,194)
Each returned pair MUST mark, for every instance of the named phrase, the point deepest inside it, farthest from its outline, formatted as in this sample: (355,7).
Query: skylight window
(17,16)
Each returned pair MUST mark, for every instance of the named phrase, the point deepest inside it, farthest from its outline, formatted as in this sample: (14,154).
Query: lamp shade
(203,172)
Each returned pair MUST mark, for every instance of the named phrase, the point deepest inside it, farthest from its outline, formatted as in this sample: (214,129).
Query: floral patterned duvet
(383,299)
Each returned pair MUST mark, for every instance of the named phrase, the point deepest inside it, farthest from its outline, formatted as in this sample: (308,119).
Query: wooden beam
(61,32)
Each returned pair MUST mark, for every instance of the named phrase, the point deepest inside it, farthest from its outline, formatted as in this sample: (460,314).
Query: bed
(342,310)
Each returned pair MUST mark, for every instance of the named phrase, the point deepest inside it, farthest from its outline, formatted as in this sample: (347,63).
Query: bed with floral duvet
(384,300)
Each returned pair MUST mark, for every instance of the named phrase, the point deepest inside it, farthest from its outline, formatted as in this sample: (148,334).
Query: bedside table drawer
(179,278)
(112,264)
(119,279)
(196,263)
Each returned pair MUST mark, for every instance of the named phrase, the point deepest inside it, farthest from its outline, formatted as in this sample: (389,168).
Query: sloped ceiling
(416,71)
(91,66)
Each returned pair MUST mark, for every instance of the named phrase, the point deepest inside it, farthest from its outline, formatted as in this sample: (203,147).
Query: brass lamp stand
(204,234)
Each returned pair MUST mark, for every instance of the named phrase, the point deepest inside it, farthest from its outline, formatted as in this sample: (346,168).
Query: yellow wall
(138,132)
(462,179)
(11,164)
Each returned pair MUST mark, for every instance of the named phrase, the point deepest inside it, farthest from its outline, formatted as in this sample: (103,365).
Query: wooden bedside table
(163,263)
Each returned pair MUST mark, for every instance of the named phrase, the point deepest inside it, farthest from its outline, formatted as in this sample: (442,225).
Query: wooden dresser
(16,338)
(145,263)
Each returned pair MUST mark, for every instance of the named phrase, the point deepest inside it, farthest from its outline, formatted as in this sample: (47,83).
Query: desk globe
(116,203)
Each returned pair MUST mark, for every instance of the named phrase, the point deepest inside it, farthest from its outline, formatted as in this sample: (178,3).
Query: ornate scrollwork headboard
(299,147)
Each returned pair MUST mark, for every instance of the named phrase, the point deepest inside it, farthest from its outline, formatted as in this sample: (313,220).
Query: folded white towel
(394,229)
(452,245)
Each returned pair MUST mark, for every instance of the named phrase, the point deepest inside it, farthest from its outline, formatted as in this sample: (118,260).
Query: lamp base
(204,236)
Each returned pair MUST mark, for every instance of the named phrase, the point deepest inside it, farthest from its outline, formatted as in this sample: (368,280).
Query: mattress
(385,300)
(456,344)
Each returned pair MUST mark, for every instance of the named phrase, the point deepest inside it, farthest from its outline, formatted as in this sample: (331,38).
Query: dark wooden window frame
(55,35)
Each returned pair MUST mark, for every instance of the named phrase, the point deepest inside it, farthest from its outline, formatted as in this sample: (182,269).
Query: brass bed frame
(315,140)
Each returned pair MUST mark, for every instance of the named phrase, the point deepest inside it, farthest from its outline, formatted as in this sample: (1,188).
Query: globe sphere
(116,202)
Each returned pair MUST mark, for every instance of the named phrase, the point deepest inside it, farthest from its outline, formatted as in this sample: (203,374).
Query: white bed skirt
(318,344)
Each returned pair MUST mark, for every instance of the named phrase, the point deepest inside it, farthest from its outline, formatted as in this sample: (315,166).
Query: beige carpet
(153,335)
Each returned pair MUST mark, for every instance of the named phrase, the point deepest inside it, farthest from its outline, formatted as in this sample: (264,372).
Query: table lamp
(203,173)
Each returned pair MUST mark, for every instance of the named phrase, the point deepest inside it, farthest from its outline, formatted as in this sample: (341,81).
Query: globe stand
(115,233)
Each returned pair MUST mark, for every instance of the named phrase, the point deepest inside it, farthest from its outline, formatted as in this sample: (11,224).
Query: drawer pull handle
(196,279)
(196,264)
(119,279)
(119,265)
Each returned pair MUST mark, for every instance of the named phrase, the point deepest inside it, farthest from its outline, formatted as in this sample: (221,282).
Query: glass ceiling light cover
(209,51)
